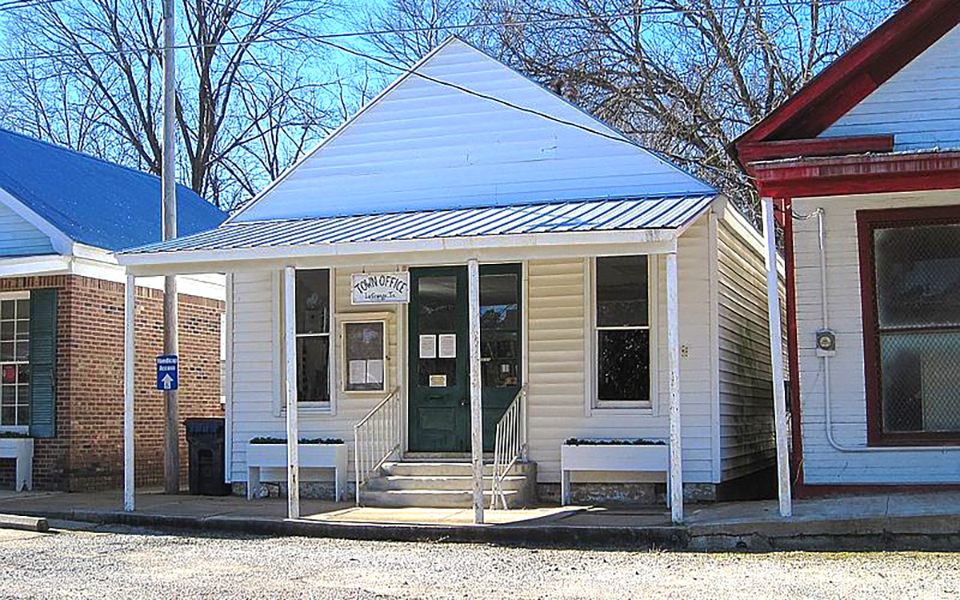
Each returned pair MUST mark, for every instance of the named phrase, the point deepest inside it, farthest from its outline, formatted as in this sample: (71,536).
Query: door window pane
(499,302)
(500,330)
(438,304)
(623,364)
(313,301)
(313,381)
(499,358)
(622,291)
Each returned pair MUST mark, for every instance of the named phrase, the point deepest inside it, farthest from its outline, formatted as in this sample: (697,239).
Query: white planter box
(21,450)
(610,457)
(319,456)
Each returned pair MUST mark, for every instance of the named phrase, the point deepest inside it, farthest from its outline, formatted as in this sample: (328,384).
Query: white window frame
(372,317)
(613,407)
(321,406)
(20,295)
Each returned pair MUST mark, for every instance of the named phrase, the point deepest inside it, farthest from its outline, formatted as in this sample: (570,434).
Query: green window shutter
(43,363)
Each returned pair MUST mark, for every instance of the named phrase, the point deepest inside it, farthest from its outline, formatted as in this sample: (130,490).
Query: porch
(497,346)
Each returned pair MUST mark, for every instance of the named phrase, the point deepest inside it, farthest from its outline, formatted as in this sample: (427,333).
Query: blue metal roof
(92,201)
(569,216)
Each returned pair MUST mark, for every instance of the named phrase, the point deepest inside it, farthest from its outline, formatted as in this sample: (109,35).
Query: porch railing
(510,445)
(377,437)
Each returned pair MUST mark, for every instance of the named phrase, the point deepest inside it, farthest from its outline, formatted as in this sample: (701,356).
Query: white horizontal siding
(426,145)
(557,366)
(920,105)
(20,238)
(558,385)
(822,463)
(256,373)
(747,441)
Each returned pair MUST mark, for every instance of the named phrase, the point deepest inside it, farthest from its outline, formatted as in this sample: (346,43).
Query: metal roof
(93,201)
(570,216)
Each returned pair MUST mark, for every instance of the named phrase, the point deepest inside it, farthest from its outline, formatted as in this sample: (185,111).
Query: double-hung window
(622,332)
(15,359)
(910,279)
(313,335)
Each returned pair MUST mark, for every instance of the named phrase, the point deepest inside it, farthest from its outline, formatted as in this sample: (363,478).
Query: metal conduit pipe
(825,320)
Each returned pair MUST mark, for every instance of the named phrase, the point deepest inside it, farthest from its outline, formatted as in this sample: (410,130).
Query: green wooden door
(439,379)
(500,339)
(439,388)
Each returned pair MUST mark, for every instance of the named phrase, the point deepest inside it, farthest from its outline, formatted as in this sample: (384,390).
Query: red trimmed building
(864,166)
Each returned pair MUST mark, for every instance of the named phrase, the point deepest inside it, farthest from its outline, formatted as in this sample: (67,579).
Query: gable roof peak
(462,129)
(856,74)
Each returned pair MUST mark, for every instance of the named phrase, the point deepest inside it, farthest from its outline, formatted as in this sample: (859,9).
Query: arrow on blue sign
(167,372)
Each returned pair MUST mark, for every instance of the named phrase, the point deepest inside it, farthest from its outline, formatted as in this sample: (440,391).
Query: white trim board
(501,248)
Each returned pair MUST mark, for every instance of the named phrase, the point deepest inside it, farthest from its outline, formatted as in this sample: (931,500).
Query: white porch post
(293,429)
(476,407)
(673,347)
(776,359)
(129,320)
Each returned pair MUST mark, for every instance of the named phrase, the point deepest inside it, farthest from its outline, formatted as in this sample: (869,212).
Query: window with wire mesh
(14,362)
(917,295)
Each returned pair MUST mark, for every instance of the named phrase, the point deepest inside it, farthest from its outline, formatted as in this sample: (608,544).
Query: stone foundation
(624,494)
(312,490)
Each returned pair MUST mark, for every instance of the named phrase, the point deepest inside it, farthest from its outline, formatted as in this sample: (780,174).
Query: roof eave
(425,251)
(857,174)
(856,74)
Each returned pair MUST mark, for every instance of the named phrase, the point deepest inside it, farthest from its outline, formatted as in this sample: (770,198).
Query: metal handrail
(376,437)
(510,445)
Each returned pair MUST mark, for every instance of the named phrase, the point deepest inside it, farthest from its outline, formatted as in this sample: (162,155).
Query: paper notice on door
(375,371)
(448,345)
(428,346)
(358,372)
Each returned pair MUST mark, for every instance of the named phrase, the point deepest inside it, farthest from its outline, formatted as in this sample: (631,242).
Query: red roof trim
(857,73)
(756,151)
(864,174)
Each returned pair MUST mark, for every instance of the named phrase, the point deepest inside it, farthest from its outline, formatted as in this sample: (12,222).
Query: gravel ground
(116,562)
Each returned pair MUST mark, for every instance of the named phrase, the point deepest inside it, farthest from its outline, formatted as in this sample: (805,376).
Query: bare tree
(88,74)
(683,76)
(403,31)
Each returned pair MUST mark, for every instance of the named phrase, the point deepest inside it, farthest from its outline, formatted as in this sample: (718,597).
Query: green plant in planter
(14,434)
(629,442)
(310,441)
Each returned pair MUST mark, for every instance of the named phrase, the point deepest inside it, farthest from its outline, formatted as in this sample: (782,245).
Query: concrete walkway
(908,521)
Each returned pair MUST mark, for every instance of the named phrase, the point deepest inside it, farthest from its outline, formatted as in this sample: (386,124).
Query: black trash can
(206,440)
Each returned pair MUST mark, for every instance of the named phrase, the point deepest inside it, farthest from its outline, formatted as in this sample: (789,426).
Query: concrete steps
(438,484)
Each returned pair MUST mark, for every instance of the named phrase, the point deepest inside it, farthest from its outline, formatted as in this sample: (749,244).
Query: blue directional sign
(167,374)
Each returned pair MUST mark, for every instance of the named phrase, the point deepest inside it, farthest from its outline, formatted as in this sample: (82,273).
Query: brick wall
(87,453)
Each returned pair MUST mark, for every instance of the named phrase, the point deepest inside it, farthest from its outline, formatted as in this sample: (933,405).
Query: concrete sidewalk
(879,522)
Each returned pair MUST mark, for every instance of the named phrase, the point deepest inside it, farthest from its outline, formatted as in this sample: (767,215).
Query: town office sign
(380,288)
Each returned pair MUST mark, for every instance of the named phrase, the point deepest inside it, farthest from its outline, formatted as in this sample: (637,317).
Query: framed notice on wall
(364,356)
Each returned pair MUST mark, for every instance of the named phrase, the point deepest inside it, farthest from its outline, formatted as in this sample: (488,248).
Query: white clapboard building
(472,269)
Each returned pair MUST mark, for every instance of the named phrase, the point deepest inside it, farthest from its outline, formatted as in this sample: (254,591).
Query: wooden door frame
(521,268)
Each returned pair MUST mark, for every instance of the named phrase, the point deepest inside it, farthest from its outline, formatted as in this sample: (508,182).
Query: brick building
(62,215)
